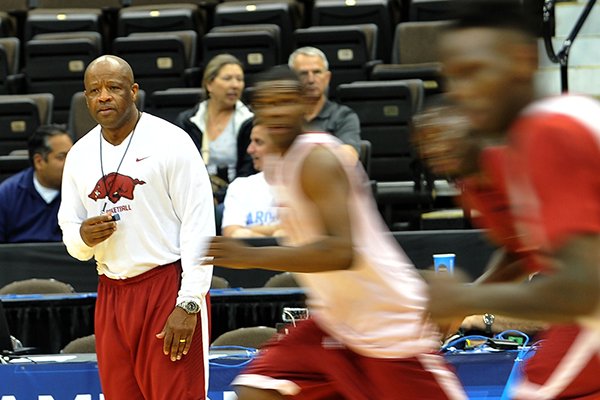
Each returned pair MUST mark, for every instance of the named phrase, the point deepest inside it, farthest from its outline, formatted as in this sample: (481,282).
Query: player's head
(490,56)
(279,104)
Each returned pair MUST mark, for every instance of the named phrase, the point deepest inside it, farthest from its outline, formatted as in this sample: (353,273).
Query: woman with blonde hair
(215,124)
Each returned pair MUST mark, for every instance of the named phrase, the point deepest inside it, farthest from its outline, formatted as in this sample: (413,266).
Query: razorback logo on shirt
(114,186)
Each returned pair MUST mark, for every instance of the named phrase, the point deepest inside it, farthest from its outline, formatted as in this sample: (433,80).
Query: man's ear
(135,89)
(37,160)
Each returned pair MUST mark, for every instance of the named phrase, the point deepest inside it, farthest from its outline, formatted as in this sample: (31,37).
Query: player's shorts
(566,366)
(308,364)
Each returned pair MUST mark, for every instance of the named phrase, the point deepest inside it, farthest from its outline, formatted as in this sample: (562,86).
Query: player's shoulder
(578,107)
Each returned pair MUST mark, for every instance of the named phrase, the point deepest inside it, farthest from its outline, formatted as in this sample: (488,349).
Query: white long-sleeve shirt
(161,192)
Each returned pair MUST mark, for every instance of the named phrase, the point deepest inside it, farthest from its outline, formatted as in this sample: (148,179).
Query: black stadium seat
(55,63)
(161,60)
(9,60)
(383,13)
(286,14)
(430,10)
(169,103)
(414,55)
(7,25)
(20,115)
(161,18)
(104,4)
(257,46)
(11,164)
(385,110)
(53,20)
(80,120)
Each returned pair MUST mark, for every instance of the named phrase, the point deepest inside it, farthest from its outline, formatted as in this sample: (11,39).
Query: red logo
(141,159)
(114,186)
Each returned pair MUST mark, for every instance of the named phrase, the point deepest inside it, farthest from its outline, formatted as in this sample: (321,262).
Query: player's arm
(238,231)
(326,186)
(570,291)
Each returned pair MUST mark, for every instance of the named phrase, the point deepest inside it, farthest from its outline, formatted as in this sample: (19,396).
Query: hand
(445,293)
(97,229)
(473,323)
(178,333)
(229,253)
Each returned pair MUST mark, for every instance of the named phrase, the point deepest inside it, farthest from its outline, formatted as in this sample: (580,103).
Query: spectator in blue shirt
(29,200)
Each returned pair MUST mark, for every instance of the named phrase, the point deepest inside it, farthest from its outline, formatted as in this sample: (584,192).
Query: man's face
(280,107)
(315,77)
(484,76)
(49,169)
(109,94)
(260,145)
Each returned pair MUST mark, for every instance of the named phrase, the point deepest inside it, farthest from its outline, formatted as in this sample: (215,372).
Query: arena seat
(52,20)
(414,55)
(161,60)
(169,103)
(55,63)
(7,25)
(9,60)
(36,286)
(430,10)
(85,344)
(287,14)
(162,17)
(80,120)
(385,110)
(383,13)
(11,164)
(20,115)
(253,337)
(283,279)
(218,282)
(257,46)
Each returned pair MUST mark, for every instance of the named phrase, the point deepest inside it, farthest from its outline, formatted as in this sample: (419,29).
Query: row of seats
(55,62)
(288,15)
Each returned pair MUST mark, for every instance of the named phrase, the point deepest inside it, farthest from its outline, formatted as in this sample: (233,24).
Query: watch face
(190,307)
(488,319)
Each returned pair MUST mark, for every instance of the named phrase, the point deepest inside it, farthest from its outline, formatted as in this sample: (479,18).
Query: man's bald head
(110,94)
(113,63)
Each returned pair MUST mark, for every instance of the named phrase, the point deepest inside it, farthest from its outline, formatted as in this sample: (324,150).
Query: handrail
(562,57)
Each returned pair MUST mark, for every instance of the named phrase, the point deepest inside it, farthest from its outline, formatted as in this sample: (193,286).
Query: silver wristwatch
(190,307)
(488,320)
